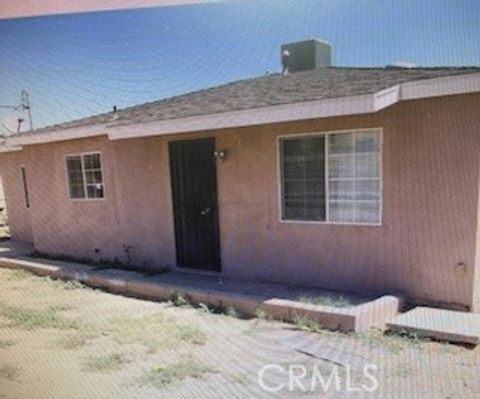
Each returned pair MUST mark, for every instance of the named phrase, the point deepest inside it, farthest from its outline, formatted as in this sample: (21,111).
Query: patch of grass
(229,311)
(261,314)
(395,342)
(306,324)
(220,309)
(114,361)
(156,331)
(18,274)
(403,370)
(376,339)
(67,285)
(232,312)
(241,378)
(5,344)
(179,300)
(409,337)
(9,372)
(204,308)
(73,285)
(333,300)
(29,319)
(162,376)
(73,342)
(192,335)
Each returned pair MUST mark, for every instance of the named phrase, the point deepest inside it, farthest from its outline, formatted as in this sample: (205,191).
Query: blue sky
(83,64)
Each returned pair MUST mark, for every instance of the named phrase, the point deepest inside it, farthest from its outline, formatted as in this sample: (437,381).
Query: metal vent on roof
(306,55)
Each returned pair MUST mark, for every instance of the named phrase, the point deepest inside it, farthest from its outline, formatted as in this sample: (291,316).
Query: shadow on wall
(106,264)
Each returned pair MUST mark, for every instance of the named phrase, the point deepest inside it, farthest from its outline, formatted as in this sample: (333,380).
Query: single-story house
(363,180)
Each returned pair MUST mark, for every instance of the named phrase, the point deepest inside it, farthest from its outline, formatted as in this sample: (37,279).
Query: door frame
(186,269)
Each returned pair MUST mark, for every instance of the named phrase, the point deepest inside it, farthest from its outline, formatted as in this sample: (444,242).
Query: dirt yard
(64,340)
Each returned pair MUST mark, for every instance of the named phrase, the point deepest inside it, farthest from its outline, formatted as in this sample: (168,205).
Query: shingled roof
(273,89)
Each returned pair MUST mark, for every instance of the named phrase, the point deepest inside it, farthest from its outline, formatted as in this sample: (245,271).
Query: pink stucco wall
(19,217)
(431,166)
(476,286)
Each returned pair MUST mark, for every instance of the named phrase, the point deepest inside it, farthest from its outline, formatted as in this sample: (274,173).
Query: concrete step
(439,324)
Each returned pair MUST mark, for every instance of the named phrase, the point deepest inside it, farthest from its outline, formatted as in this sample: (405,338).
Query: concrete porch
(332,310)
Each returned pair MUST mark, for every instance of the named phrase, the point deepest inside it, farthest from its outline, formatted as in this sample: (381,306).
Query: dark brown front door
(194,189)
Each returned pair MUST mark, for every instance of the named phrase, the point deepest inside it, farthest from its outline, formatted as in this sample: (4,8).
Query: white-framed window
(332,177)
(85,179)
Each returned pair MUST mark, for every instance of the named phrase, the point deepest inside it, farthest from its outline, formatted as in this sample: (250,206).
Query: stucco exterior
(476,286)
(427,247)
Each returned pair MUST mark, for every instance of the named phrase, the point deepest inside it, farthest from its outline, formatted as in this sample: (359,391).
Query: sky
(82,64)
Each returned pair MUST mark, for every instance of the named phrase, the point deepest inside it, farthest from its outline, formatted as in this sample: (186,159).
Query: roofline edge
(333,107)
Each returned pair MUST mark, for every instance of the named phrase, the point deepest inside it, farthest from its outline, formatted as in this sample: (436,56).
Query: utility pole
(25,99)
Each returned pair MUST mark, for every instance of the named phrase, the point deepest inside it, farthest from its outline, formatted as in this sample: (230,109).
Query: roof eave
(57,135)
(326,108)
(250,117)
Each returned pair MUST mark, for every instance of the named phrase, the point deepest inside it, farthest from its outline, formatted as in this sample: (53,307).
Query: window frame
(81,155)
(280,202)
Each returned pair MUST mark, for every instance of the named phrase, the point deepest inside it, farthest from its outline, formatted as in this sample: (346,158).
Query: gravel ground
(63,340)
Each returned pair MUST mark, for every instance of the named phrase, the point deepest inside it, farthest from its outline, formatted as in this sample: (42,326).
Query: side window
(85,176)
(26,197)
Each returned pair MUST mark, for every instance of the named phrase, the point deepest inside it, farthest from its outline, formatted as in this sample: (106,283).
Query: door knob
(205,211)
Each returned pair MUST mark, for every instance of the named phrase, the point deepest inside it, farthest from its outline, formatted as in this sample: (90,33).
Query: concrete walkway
(439,324)
(330,309)
(10,249)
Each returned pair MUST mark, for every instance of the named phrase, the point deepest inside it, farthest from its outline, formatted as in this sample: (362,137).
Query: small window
(25,186)
(85,176)
(332,178)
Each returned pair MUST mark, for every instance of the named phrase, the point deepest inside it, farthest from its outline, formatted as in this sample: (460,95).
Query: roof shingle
(274,89)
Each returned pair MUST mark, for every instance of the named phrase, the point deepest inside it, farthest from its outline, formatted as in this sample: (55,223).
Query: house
(364,180)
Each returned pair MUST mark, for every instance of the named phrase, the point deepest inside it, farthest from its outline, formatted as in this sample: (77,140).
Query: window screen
(354,177)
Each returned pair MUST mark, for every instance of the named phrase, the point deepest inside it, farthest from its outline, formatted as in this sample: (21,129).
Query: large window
(85,176)
(332,177)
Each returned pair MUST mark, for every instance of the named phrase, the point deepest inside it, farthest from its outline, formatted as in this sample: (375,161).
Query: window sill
(317,222)
(87,199)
